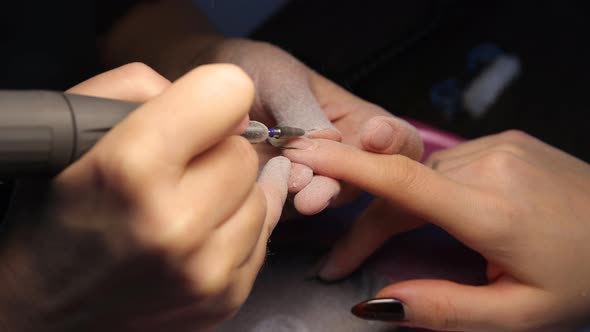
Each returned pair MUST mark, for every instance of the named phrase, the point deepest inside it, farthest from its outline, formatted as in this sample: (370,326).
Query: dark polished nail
(380,309)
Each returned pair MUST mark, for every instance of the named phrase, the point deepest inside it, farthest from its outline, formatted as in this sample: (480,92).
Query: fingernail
(299,144)
(383,309)
(381,134)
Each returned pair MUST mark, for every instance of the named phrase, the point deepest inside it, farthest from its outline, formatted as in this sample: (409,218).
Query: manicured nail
(299,144)
(383,309)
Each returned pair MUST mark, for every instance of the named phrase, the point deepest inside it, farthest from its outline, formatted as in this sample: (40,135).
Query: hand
(289,93)
(520,203)
(153,229)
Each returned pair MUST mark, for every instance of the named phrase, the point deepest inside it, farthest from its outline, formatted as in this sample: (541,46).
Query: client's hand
(519,202)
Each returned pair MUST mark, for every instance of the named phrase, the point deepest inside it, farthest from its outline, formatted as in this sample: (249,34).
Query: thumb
(390,135)
(447,306)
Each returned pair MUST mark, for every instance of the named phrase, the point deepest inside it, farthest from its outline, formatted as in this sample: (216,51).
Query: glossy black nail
(380,309)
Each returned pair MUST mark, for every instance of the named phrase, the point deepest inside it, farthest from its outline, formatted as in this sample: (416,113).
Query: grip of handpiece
(42,132)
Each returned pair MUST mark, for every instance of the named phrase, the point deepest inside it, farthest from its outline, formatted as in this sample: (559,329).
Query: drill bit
(257,132)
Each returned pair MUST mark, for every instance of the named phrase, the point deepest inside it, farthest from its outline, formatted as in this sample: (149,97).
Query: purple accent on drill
(271,132)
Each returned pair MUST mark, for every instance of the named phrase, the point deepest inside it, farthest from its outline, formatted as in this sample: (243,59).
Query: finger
(196,112)
(134,82)
(301,176)
(373,228)
(407,183)
(273,181)
(242,230)
(212,264)
(389,135)
(213,178)
(448,306)
(317,195)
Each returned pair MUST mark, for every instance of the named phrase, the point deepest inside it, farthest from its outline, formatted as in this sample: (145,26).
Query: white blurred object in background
(489,84)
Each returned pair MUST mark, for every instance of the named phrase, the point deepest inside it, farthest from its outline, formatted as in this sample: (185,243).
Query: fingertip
(301,176)
(317,195)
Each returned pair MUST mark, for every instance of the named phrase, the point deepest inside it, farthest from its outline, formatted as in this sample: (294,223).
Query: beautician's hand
(160,227)
(521,203)
(289,93)
(174,36)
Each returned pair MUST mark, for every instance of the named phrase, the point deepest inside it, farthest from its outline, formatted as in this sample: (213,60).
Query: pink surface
(434,139)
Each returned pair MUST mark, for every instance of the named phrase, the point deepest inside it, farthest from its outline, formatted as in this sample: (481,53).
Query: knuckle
(137,70)
(497,163)
(514,135)
(125,167)
(228,76)
(140,72)
(139,75)
(511,148)
(211,282)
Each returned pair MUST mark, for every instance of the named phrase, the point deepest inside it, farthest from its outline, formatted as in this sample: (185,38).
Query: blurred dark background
(394,52)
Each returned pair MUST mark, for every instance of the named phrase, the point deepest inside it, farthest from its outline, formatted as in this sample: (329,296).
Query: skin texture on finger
(134,82)
(301,176)
(317,195)
(374,227)
(193,114)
